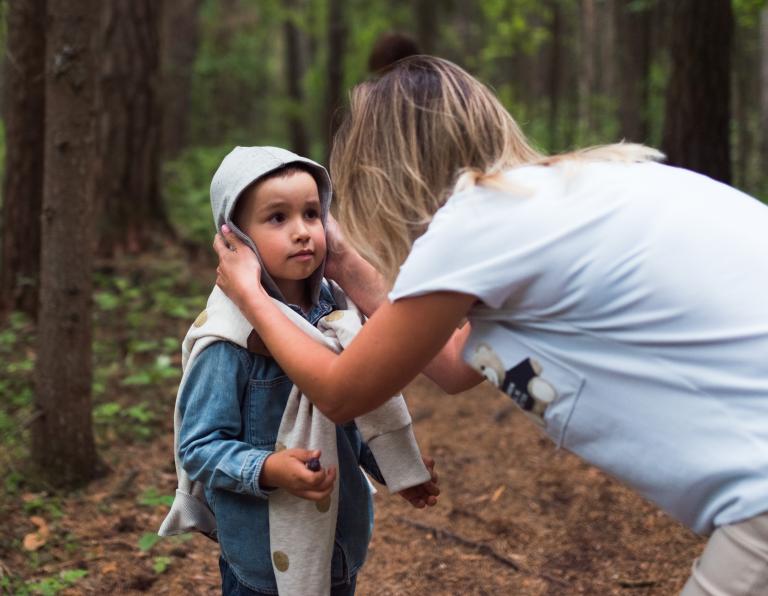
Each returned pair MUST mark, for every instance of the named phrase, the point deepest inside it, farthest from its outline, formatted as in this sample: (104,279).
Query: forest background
(115,114)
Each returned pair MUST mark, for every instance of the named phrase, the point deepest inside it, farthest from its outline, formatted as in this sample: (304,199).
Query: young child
(245,436)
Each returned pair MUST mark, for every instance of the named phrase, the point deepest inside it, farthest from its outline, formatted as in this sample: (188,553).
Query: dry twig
(478,546)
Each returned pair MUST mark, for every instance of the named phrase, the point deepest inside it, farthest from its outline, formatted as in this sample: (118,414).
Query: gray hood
(242,167)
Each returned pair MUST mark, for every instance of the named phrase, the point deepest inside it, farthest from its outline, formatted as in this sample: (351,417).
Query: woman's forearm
(367,289)
(392,348)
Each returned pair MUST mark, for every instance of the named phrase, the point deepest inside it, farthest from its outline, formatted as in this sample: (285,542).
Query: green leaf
(106,300)
(139,378)
(147,541)
(160,564)
(151,497)
(72,575)
(107,410)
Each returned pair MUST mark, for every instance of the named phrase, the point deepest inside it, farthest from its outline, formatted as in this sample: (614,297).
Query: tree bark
(62,437)
(587,68)
(696,124)
(634,56)
(426,24)
(337,42)
(555,73)
(294,71)
(764,83)
(131,212)
(179,40)
(24,112)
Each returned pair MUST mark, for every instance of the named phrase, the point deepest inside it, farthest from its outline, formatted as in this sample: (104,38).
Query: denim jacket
(231,407)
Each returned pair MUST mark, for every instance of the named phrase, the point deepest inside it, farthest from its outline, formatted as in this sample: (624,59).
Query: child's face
(282,215)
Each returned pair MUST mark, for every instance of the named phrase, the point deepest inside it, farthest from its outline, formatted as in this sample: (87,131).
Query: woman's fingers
(231,238)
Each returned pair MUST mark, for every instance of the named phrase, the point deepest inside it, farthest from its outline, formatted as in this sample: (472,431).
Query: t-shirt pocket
(545,389)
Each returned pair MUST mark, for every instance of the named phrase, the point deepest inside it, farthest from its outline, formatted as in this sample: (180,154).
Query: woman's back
(642,291)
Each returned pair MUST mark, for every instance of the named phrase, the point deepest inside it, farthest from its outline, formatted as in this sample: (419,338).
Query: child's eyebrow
(280,203)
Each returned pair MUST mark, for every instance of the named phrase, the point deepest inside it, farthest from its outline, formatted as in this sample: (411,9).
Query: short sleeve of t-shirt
(482,242)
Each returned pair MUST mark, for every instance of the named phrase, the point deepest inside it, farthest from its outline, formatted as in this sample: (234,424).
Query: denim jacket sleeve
(211,448)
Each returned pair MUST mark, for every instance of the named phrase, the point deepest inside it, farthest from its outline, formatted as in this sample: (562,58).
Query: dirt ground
(515,516)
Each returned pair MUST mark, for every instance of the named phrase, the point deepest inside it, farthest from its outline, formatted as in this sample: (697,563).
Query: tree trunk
(426,24)
(62,436)
(179,40)
(24,111)
(555,74)
(587,69)
(128,108)
(337,42)
(634,55)
(764,83)
(696,124)
(294,72)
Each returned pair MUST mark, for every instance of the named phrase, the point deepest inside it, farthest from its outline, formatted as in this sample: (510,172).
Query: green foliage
(43,503)
(161,564)
(49,586)
(152,498)
(187,181)
(148,541)
(16,386)
(747,12)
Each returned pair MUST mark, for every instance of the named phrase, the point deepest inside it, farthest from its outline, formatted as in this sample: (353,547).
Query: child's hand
(423,495)
(287,469)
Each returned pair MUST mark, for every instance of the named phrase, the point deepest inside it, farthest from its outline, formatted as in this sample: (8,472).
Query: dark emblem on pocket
(523,382)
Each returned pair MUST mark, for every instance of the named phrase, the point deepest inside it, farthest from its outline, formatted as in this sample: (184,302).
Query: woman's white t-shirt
(625,305)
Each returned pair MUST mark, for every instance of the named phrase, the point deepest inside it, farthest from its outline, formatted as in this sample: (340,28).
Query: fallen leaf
(34,541)
(497,493)
(109,567)
(41,524)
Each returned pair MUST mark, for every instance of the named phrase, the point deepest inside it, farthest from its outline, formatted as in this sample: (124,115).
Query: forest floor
(516,516)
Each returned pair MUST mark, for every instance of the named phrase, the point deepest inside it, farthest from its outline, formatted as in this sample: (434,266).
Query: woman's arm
(366,287)
(392,348)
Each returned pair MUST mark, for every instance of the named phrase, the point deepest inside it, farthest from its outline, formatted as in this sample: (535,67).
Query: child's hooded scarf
(301,531)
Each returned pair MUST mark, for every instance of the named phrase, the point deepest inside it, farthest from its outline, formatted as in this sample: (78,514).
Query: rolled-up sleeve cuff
(251,472)
(399,459)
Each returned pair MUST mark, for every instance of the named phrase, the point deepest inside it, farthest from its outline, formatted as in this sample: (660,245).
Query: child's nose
(301,231)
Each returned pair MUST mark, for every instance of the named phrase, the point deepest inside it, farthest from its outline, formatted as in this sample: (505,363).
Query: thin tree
(62,435)
(554,72)
(697,115)
(633,25)
(179,41)
(23,115)
(764,82)
(132,214)
(337,42)
(294,71)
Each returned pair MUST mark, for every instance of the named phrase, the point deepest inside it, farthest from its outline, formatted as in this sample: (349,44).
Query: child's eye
(277,218)
(312,214)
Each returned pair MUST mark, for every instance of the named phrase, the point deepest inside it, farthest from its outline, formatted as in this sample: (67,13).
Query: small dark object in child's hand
(314,465)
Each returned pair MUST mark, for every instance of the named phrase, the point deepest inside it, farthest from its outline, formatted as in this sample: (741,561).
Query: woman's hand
(239,270)
(338,252)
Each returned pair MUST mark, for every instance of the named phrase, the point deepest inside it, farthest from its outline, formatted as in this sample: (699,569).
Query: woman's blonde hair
(421,131)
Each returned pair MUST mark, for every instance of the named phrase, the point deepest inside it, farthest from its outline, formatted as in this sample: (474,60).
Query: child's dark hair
(281,172)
